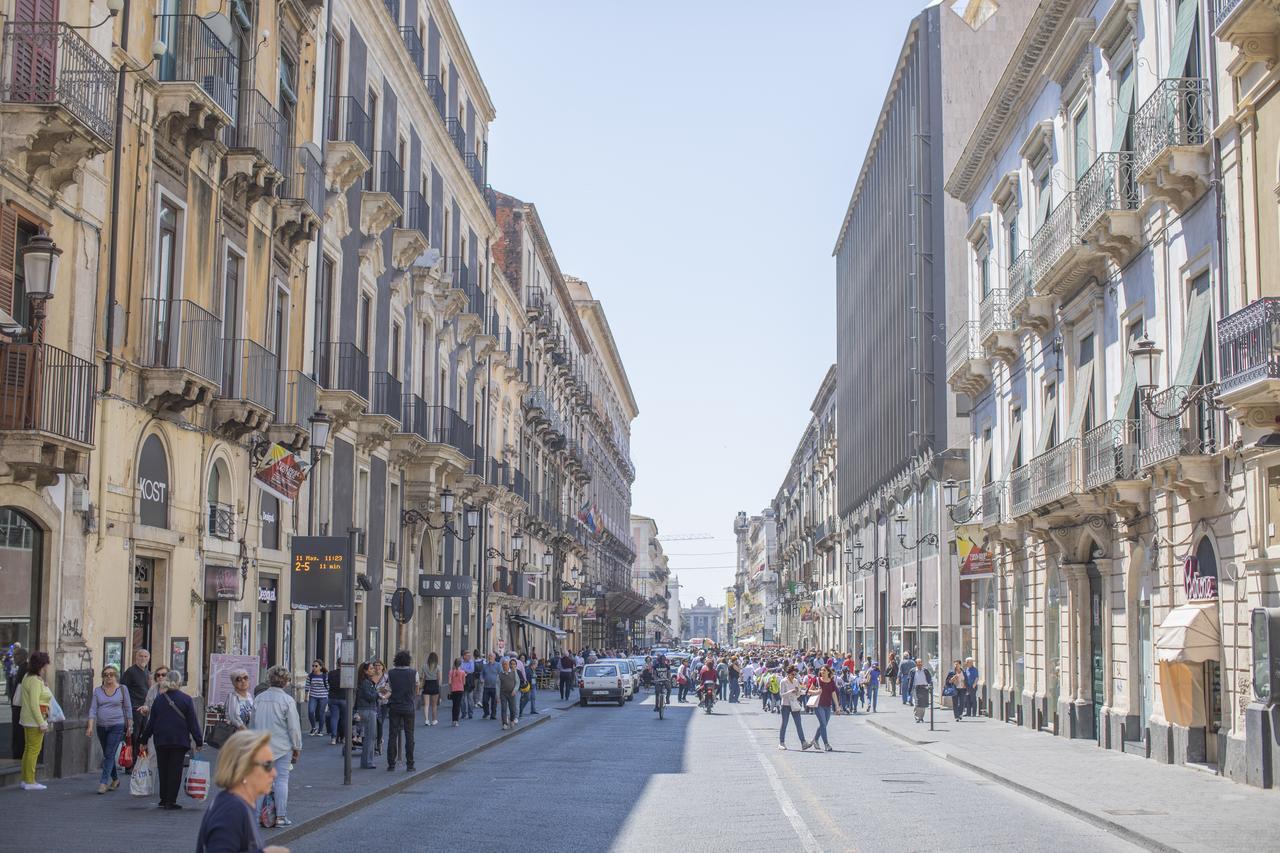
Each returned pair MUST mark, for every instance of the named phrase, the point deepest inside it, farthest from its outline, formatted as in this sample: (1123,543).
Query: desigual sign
(153,483)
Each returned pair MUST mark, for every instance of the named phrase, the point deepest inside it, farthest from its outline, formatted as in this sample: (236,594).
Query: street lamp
(951,496)
(40,260)
(853,558)
(900,527)
(321,424)
(471,517)
(1146,362)
(517,540)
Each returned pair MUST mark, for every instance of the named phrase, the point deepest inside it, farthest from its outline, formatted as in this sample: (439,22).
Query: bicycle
(659,697)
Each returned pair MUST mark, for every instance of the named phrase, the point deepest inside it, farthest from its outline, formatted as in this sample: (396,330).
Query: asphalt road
(609,778)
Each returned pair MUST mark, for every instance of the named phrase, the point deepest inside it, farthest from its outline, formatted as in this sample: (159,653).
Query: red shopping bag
(198,779)
(124,757)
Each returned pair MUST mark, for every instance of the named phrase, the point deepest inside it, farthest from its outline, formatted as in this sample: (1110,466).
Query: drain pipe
(113,250)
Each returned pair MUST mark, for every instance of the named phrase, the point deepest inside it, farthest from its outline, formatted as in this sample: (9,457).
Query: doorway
(1097,665)
(144,575)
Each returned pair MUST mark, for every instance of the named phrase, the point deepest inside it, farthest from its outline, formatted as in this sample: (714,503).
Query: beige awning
(1189,634)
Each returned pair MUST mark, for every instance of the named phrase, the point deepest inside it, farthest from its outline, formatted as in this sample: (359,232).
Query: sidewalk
(1154,805)
(84,820)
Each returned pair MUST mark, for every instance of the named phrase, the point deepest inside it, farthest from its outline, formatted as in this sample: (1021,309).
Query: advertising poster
(975,560)
(281,473)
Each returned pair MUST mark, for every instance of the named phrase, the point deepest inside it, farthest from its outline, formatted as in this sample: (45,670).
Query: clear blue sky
(692,161)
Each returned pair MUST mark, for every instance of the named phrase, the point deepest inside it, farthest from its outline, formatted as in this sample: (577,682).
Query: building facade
(650,578)
(702,621)
(755,589)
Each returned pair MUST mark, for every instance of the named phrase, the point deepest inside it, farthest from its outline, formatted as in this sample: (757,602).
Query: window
(1011,229)
(1085,375)
(1044,193)
(984,272)
(393,522)
(164,288)
(230,297)
(362,506)
(1082,148)
(363,319)
(324,300)
(1050,416)
(1015,440)
(393,357)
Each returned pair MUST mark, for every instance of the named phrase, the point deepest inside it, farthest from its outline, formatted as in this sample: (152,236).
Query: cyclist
(660,671)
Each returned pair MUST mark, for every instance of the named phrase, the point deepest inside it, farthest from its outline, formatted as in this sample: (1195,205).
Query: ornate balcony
(1111,465)
(434,445)
(300,212)
(296,401)
(534,301)
(1178,449)
(1107,197)
(381,419)
(383,196)
(46,412)
(435,93)
(181,354)
(1020,498)
(342,371)
(996,329)
(257,152)
(994,509)
(1026,308)
(247,399)
(1056,475)
(350,150)
(57,101)
(1060,259)
(1252,28)
(1172,142)
(968,371)
(198,77)
(471,317)
(412,235)
(1249,364)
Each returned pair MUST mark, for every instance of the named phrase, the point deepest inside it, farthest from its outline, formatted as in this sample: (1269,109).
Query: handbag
(218,733)
(267,814)
(812,701)
(949,690)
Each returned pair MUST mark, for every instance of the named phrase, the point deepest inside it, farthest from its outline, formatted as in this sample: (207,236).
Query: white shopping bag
(197,786)
(143,781)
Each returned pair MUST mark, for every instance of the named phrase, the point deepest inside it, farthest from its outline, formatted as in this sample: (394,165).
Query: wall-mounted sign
(281,473)
(267,594)
(975,560)
(859,602)
(909,593)
(444,586)
(587,609)
(569,603)
(269,514)
(321,575)
(221,583)
(153,483)
(1198,587)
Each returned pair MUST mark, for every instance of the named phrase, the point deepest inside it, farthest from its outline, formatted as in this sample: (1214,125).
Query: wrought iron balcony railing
(457,133)
(1055,474)
(45,62)
(1249,344)
(305,179)
(1110,453)
(534,299)
(1052,240)
(1223,11)
(436,424)
(993,314)
(1175,114)
(179,334)
(45,389)
(413,45)
(1020,501)
(993,506)
(385,396)
(475,168)
(258,127)
(1019,279)
(491,199)
(387,176)
(250,372)
(195,54)
(222,521)
(1110,184)
(348,122)
(435,92)
(1193,433)
(962,346)
(296,399)
(342,367)
(417,214)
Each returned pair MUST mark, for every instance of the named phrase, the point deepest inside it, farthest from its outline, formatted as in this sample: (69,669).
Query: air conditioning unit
(79,498)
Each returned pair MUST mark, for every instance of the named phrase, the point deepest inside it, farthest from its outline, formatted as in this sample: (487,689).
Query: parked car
(630,675)
(602,682)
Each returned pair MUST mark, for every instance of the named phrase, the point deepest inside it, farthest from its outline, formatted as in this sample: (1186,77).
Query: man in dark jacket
(904,676)
(137,680)
(403,679)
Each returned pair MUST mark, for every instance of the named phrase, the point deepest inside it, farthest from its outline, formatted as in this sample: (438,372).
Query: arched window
(21,542)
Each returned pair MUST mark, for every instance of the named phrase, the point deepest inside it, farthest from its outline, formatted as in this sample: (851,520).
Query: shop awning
(534,623)
(1189,634)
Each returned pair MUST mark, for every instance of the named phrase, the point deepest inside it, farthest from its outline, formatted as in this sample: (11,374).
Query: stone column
(1077,699)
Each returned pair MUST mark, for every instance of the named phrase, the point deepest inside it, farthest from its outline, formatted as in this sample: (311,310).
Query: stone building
(650,578)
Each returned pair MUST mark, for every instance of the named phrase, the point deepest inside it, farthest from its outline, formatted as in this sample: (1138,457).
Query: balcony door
(165,284)
(35,52)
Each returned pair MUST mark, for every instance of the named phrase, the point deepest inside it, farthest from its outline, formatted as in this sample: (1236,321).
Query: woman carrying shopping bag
(172,729)
(112,716)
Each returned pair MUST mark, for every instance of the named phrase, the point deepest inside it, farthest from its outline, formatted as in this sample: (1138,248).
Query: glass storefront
(20,558)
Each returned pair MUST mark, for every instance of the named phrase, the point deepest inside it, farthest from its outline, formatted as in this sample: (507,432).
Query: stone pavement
(80,819)
(1154,805)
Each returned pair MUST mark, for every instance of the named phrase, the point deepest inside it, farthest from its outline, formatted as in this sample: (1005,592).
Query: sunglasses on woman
(267,766)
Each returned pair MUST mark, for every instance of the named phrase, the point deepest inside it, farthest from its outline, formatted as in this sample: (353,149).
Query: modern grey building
(895,414)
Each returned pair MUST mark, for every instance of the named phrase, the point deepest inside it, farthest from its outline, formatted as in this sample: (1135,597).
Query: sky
(692,161)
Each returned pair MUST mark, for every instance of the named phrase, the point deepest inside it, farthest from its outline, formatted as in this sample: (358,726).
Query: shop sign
(588,609)
(444,586)
(267,594)
(569,604)
(321,575)
(221,583)
(859,602)
(975,560)
(153,483)
(281,473)
(1198,587)
(909,593)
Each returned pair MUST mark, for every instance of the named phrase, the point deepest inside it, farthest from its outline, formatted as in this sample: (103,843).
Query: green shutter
(1188,11)
(1124,110)
(1015,438)
(1048,416)
(1128,387)
(1084,390)
(1046,196)
(1197,328)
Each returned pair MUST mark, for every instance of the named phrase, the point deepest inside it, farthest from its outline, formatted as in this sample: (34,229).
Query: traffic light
(1265,622)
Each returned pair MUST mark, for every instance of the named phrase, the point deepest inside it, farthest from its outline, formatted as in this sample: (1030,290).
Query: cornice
(1007,188)
(1119,22)
(1017,85)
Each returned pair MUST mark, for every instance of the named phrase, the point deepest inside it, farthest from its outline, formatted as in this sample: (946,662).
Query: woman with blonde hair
(109,710)
(244,773)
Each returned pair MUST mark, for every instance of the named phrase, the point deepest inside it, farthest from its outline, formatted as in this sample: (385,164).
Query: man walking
(403,679)
(137,681)
(904,674)
(920,684)
(970,688)
(565,669)
(489,675)
(469,685)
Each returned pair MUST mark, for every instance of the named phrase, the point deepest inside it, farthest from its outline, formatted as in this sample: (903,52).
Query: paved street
(608,778)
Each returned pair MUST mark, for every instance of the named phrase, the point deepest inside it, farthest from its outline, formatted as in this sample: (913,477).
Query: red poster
(281,473)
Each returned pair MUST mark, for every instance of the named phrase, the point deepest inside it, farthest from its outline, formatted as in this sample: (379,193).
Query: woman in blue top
(110,712)
(245,772)
(317,697)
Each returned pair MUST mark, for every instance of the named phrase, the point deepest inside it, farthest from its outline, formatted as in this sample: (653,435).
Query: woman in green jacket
(36,701)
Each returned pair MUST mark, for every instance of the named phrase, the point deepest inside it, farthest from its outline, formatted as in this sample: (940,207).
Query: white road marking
(807,841)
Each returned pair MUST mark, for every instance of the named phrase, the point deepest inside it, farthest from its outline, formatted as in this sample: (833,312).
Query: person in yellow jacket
(36,701)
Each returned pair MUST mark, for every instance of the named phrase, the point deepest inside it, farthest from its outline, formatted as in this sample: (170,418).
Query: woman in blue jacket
(171,727)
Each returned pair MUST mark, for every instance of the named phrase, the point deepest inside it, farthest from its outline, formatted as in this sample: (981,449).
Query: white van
(601,682)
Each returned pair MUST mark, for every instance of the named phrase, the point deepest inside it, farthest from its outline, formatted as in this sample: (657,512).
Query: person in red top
(826,706)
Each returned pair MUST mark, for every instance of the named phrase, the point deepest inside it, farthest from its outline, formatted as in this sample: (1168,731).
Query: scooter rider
(709,679)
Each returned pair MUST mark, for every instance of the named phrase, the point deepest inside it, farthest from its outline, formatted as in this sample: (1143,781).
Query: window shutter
(1084,390)
(1128,387)
(1188,11)
(1049,416)
(985,467)
(1015,438)
(1046,197)
(1196,329)
(8,258)
(1124,110)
